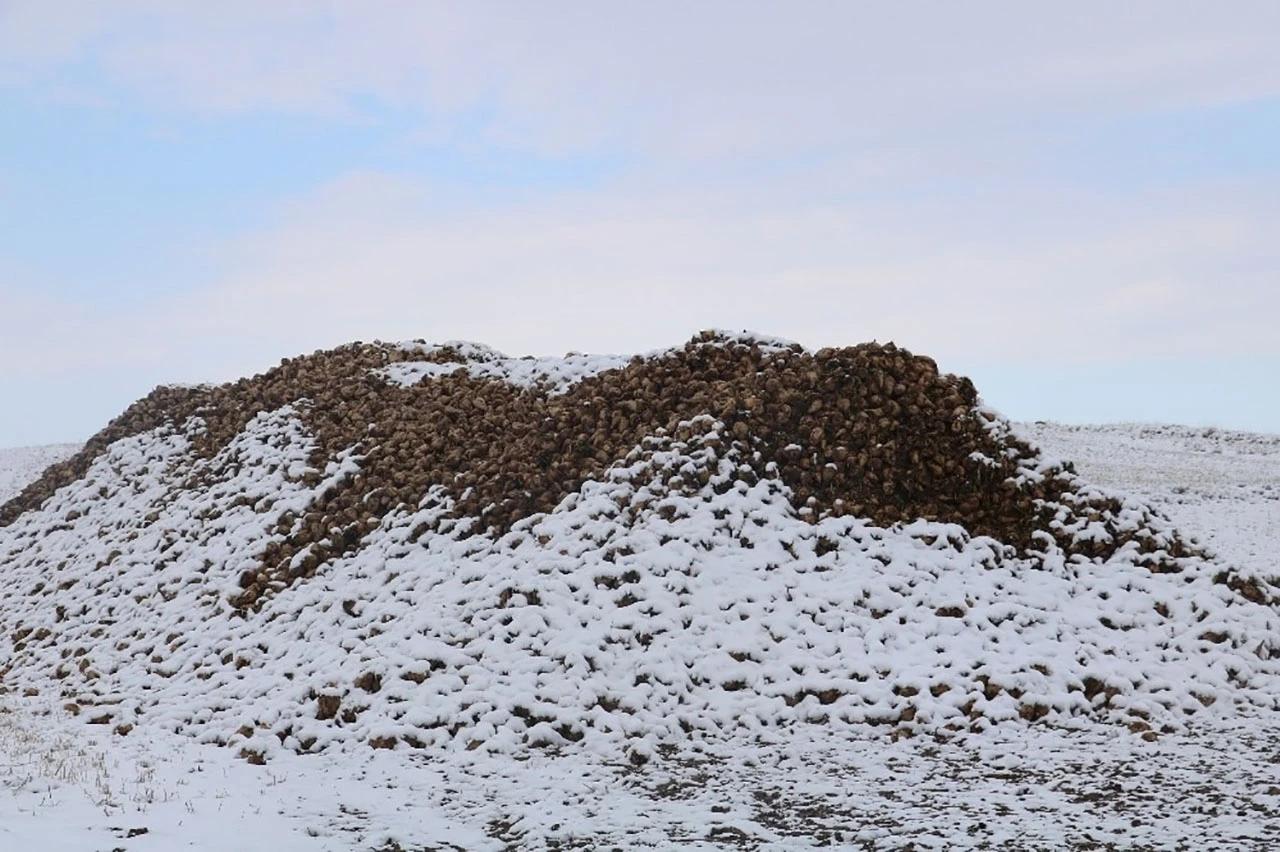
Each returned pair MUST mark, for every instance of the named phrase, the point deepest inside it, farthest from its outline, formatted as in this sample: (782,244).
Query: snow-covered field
(74,786)
(1219,485)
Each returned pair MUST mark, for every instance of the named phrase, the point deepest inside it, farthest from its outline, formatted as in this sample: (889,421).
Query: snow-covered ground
(74,786)
(1220,485)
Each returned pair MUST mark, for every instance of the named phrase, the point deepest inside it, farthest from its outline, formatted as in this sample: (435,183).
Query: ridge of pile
(870,431)
(440,547)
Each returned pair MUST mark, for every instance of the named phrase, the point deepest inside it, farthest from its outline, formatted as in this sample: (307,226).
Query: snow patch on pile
(23,465)
(556,374)
(639,612)
(552,374)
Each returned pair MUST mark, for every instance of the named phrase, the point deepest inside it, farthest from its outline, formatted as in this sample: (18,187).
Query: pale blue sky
(1077,207)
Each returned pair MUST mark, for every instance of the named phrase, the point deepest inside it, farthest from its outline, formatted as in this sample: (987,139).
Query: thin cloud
(708,80)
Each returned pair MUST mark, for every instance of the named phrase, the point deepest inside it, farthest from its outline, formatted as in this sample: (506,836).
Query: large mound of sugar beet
(868,430)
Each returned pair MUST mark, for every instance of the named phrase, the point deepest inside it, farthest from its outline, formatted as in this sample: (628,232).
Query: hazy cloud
(363,259)
(705,80)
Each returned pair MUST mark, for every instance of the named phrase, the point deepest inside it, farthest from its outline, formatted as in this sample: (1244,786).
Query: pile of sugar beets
(868,430)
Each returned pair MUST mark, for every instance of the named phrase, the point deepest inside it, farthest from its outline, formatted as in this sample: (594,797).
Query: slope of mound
(443,548)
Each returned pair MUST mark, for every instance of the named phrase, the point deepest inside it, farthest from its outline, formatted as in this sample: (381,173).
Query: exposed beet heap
(870,430)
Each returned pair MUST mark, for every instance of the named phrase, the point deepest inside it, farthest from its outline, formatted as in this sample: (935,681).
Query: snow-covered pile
(675,593)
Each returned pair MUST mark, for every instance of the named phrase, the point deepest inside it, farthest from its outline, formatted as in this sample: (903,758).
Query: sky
(1076,204)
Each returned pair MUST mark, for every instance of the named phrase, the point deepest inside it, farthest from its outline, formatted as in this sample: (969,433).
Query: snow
(532,623)
(556,375)
(1033,789)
